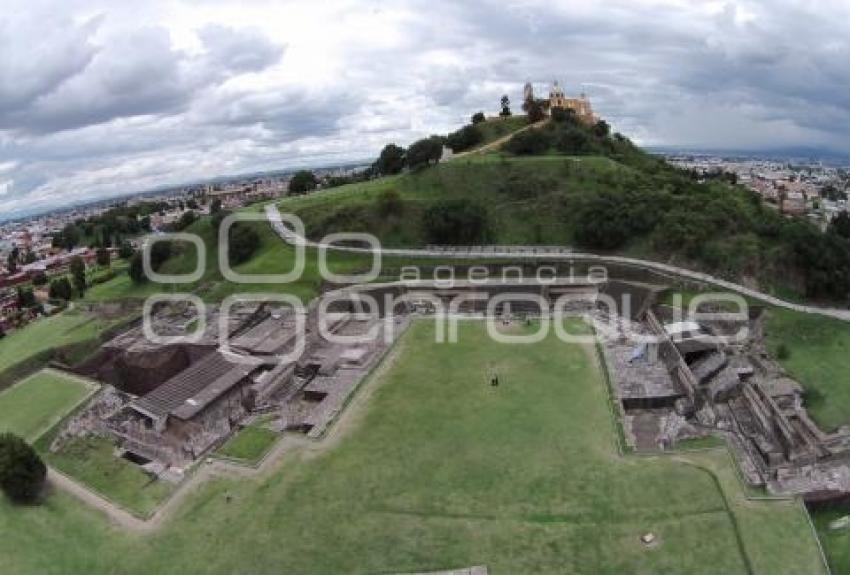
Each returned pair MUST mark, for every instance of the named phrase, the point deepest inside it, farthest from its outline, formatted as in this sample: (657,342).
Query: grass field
(34,405)
(440,470)
(819,358)
(92,462)
(836,544)
(58,330)
(250,444)
(528,199)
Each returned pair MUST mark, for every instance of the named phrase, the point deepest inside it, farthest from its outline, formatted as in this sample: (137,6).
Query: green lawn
(249,444)
(440,471)
(92,462)
(34,405)
(819,358)
(273,256)
(61,329)
(836,544)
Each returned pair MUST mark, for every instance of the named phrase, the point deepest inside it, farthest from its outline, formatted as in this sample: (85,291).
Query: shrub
(529,142)
(478,117)
(22,473)
(459,222)
(61,289)
(244,241)
(463,139)
(390,204)
(783,352)
(125,251)
(573,141)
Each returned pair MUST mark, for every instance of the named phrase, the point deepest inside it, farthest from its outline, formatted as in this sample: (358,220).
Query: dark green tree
(22,473)
(456,222)
(26,297)
(390,161)
(840,225)
(78,273)
(465,138)
(125,251)
(102,257)
(302,182)
(425,152)
(60,288)
(244,241)
(478,117)
(506,106)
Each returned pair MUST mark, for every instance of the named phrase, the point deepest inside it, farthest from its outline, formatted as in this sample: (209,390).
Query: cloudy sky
(100,98)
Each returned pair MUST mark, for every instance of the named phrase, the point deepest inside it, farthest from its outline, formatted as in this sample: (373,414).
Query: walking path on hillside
(536,253)
(496,144)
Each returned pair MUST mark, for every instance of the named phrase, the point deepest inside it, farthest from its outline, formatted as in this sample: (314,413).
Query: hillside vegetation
(567,183)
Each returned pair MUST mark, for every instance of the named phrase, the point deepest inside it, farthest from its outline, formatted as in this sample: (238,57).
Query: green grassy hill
(569,184)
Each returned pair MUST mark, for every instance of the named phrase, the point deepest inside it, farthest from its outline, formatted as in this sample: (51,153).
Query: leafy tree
(137,269)
(22,473)
(187,218)
(465,138)
(302,182)
(30,257)
(125,250)
(478,117)
(564,115)
(12,260)
(506,106)
(244,241)
(60,288)
(573,141)
(215,206)
(534,109)
(192,204)
(39,279)
(601,129)
(390,161)
(840,225)
(424,152)
(458,222)
(78,273)
(602,222)
(102,257)
(69,236)
(26,297)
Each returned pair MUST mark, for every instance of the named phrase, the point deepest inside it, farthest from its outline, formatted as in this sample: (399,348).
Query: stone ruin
(681,380)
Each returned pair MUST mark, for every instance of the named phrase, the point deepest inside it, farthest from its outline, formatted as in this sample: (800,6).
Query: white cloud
(100,97)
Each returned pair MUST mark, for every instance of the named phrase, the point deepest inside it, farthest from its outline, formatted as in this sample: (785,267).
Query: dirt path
(496,144)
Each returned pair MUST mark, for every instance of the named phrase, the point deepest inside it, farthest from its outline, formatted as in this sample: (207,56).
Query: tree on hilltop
(478,117)
(506,106)
(302,182)
(424,152)
(534,109)
(390,161)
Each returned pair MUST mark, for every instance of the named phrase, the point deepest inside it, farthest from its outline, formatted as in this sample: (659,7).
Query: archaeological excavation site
(167,404)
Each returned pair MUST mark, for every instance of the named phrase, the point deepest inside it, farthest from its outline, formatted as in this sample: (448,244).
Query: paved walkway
(548,254)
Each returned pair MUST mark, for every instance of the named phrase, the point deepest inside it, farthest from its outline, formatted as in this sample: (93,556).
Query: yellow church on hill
(557,99)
